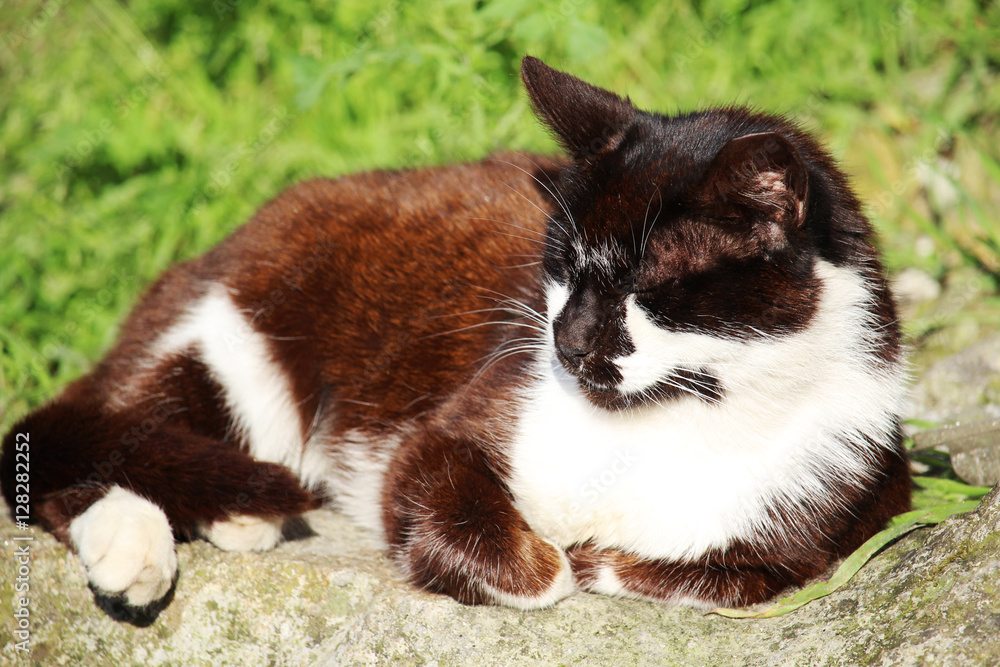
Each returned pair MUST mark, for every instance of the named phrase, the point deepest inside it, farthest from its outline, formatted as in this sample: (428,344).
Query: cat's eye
(626,284)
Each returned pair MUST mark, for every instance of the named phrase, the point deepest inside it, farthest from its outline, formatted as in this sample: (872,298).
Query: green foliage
(134,137)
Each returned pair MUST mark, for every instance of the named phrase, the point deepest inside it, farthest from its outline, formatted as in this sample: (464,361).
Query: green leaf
(952,489)
(899,526)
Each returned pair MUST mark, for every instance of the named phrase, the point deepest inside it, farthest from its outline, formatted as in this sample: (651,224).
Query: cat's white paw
(126,544)
(244,533)
(607,582)
(561,586)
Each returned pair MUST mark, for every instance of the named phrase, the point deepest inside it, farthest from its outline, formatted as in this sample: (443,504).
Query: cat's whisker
(521,266)
(559,199)
(548,215)
(497,358)
(686,388)
(510,348)
(546,242)
(357,402)
(742,388)
(519,306)
(511,224)
(533,323)
(478,311)
(481,324)
(516,343)
(555,193)
(651,225)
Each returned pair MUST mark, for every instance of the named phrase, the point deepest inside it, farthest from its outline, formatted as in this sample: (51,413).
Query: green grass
(134,137)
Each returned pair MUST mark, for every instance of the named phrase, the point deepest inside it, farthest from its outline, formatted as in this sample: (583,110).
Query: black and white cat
(666,367)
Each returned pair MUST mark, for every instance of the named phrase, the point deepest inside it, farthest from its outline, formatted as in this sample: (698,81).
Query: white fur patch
(244,533)
(126,544)
(256,389)
(607,581)
(356,477)
(258,394)
(597,259)
(677,480)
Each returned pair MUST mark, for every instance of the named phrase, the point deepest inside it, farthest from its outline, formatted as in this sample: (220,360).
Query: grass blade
(898,527)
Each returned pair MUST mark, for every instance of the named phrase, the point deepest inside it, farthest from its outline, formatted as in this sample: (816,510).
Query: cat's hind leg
(734,578)
(244,532)
(118,499)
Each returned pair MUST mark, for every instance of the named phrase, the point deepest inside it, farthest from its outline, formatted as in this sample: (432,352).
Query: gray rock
(332,599)
(974,448)
(912,288)
(961,387)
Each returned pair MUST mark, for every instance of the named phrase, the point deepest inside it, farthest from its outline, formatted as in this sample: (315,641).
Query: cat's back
(402,209)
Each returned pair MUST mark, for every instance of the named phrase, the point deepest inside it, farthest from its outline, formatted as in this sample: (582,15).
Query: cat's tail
(118,486)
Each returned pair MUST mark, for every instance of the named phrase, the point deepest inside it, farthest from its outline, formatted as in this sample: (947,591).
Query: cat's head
(675,233)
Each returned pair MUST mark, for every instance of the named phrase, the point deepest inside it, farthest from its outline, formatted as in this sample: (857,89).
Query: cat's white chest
(660,482)
(800,417)
(673,481)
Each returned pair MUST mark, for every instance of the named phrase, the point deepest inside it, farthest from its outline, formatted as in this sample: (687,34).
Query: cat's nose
(574,338)
(574,354)
(576,328)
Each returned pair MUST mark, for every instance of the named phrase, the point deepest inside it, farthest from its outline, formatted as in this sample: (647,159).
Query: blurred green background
(133,136)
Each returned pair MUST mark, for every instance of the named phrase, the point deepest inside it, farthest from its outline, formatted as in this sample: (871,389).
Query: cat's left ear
(758,176)
(586,119)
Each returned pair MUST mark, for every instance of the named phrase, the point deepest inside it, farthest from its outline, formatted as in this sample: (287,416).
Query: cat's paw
(551,581)
(126,544)
(244,533)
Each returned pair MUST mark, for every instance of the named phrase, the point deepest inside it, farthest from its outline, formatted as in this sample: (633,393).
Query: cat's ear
(586,119)
(760,176)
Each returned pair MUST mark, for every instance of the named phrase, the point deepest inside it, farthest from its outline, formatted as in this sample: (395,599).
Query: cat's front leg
(454,530)
(724,578)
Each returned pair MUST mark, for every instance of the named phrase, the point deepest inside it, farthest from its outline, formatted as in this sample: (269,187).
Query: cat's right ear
(760,177)
(586,120)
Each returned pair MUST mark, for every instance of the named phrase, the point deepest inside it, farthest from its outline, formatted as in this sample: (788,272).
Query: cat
(664,366)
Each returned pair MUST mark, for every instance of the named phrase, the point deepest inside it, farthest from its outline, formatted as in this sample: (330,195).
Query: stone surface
(332,599)
(974,449)
(961,387)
